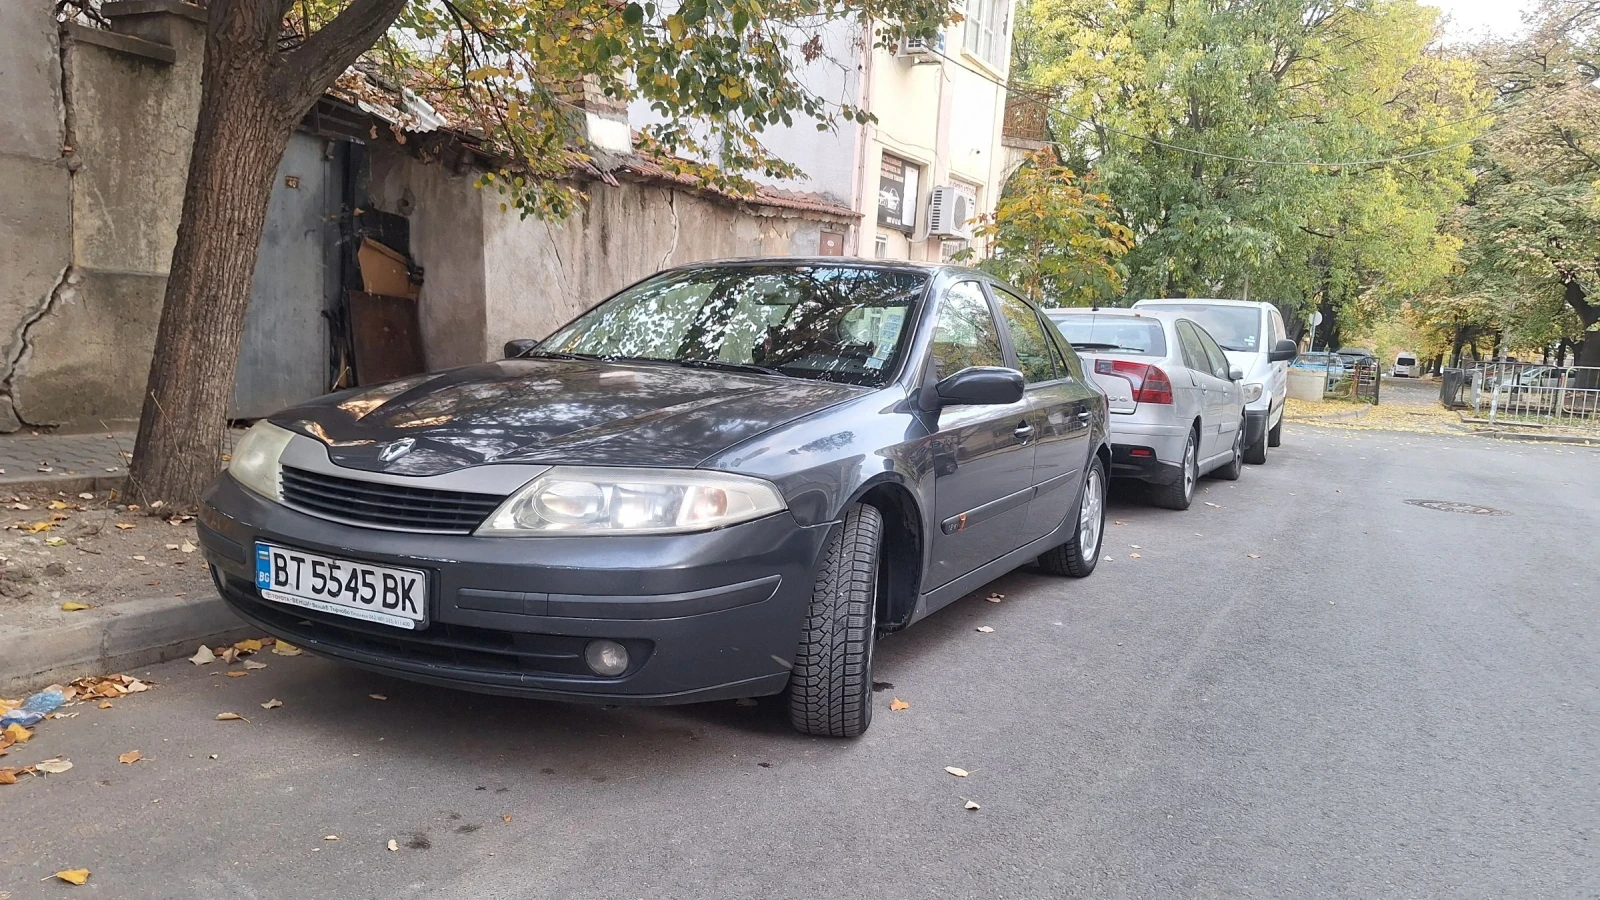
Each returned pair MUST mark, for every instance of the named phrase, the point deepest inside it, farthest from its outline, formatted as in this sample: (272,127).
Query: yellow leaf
(505,818)
(124,525)
(250,645)
(330,837)
(37,527)
(17,733)
(1134,556)
(237,674)
(231,717)
(897,704)
(105,704)
(8,776)
(131,757)
(73,876)
(74,606)
(284,648)
(57,504)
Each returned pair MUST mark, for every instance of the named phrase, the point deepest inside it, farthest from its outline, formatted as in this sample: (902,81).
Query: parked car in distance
(1320,361)
(1252,336)
(724,481)
(1406,365)
(1176,404)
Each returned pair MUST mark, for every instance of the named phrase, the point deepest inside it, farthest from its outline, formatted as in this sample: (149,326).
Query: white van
(1253,338)
(1406,365)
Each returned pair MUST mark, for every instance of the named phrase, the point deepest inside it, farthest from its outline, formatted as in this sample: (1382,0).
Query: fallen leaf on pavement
(971,804)
(330,837)
(105,704)
(231,717)
(1136,546)
(379,696)
(203,656)
(249,645)
(283,648)
(1253,555)
(252,664)
(131,757)
(172,546)
(187,547)
(1216,505)
(74,606)
(140,558)
(124,525)
(1135,556)
(237,674)
(8,776)
(54,766)
(86,495)
(393,845)
(995,598)
(57,504)
(73,876)
(36,527)
(1116,521)
(897,704)
(505,819)
(1105,559)
(959,773)
(274,703)
(55,542)
(135,686)
(984,629)
(17,733)
(228,655)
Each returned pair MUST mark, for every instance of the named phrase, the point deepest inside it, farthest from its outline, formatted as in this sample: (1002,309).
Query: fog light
(607,658)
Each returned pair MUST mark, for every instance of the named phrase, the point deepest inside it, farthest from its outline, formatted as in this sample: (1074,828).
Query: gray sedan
(1176,406)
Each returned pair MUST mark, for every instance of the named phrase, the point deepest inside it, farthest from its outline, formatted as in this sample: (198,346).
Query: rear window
(1110,334)
(1406,361)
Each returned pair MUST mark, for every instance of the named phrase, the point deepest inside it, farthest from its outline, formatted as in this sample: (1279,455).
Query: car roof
(852,262)
(1103,311)
(1208,301)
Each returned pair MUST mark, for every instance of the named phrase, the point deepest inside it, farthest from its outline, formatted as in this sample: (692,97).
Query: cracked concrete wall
(35,220)
(92,169)
(132,125)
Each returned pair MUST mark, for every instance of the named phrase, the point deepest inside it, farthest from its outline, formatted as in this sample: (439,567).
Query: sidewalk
(64,462)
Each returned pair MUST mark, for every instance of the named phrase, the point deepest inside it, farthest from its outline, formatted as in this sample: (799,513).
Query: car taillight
(1150,384)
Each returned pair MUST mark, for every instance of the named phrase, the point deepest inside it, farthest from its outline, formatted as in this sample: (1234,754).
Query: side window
(964,333)
(1278,331)
(1194,354)
(1028,339)
(1219,360)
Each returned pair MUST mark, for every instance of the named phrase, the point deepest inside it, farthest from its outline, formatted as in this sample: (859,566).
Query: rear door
(1059,411)
(982,455)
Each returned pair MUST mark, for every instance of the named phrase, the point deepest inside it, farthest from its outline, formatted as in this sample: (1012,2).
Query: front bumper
(705,616)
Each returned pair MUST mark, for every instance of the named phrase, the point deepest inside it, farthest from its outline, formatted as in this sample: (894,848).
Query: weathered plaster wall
(539,275)
(447,241)
(35,222)
(93,179)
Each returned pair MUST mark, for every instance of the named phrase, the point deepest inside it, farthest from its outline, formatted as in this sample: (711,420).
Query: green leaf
(633,14)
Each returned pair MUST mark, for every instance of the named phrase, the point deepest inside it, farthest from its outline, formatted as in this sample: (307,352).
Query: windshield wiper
(556,354)
(1091,345)
(724,366)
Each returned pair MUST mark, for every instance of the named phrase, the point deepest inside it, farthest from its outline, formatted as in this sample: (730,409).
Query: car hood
(1246,360)
(554,411)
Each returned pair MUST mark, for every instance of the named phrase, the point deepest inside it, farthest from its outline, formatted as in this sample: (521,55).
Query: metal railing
(1564,396)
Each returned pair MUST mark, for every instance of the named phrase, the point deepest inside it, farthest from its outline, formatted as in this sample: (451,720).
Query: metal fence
(1359,380)
(1566,396)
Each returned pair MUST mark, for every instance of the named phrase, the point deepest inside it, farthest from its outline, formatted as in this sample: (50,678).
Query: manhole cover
(1471,509)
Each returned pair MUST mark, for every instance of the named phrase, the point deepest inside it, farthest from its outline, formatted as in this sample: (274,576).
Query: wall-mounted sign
(897,194)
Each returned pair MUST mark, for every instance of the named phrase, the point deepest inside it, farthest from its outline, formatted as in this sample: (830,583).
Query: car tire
(1077,557)
(1235,466)
(1180,494)
(1256,454)
(830,686)
(1275,435)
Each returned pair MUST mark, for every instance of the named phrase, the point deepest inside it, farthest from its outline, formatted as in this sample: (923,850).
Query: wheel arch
(902,553)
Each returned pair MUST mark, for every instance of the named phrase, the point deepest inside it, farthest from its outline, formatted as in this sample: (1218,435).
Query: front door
(1059,411)
(1213,390)
(982,456)
(1225,400)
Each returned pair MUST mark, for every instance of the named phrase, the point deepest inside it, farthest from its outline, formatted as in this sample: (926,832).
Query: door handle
(1024,431)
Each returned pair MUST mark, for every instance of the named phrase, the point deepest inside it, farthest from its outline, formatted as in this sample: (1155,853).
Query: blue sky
(1483,18)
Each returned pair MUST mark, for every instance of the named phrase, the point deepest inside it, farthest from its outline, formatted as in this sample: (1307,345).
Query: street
(1301,687)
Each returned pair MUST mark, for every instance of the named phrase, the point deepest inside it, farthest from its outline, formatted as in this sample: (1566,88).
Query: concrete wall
(93,182)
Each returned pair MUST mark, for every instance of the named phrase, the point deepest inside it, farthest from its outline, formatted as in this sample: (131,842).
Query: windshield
(1110,334)
(1234,327)
(833,323)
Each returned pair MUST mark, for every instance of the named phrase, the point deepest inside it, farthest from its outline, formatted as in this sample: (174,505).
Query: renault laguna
(728,480)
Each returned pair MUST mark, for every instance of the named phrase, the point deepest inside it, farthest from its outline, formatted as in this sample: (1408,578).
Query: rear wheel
(1180,493)
(830,688)
(1078,556)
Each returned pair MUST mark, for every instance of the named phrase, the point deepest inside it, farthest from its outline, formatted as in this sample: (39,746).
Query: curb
(67,484)
(138,633)
(1542,438)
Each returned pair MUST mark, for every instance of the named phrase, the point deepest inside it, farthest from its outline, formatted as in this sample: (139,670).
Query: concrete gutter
(1542,438)
(133,633)
(66,484)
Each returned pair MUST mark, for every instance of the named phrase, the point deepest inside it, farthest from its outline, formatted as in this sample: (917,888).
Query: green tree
(1194,113)
(1054,237)
(719,71)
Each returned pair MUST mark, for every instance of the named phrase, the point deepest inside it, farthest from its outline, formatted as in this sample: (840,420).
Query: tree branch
(307,71)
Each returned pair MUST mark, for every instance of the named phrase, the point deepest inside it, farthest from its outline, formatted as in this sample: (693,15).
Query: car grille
(383,505)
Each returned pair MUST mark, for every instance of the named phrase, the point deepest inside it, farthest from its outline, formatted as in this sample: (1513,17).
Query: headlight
(574,501)
(1252,393)
(255,458)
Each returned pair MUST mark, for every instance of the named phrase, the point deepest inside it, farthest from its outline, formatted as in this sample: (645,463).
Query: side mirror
(1284,351)
(519,348)
(980,386)
(1235,374)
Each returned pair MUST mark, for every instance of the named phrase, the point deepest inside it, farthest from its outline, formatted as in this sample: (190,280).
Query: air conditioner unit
(921,50)
(950,212)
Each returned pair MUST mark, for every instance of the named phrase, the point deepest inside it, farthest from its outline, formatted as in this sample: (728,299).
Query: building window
(985,35)
(897,193)
(880,247)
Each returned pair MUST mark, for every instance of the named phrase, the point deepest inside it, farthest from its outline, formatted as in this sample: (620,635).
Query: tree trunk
(239,140)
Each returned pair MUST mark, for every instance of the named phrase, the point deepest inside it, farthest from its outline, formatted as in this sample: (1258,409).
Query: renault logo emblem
(396,449)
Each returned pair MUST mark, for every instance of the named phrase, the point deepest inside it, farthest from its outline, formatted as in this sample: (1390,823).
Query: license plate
(383,594)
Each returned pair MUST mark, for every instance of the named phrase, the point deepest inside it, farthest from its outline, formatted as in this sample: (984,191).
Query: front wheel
(1256,454)
(830,688)
(1077,556)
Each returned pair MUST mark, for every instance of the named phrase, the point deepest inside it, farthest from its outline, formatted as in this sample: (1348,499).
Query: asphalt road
(1391,701)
